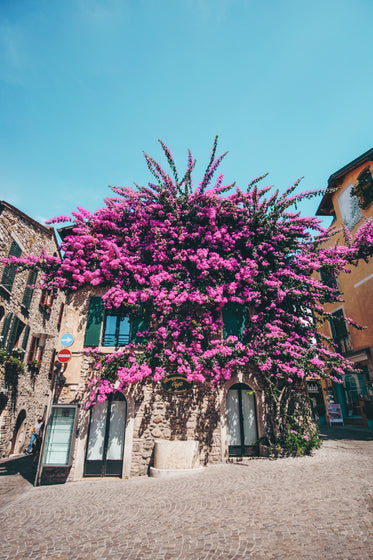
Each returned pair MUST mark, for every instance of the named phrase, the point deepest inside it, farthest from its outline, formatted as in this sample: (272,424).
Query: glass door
(241,421)
(104,456)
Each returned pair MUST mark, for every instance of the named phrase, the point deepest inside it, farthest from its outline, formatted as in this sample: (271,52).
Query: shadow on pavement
(346,432)
(21,464)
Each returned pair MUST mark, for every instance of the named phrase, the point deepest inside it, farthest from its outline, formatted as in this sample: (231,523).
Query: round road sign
(67,339)
(64,355)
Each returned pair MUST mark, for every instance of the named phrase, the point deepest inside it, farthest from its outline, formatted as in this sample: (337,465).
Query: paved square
(318,507)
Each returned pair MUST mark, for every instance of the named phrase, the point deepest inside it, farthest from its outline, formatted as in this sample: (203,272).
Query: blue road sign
(67,339)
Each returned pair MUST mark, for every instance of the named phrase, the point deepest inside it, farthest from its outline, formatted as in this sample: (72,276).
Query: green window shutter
(12,335)
(27,296)
(7,279)
(138,324)
(5,328)
(94,321)
(25,337)
(233,318)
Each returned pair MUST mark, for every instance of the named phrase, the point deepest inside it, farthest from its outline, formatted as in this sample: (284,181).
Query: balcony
(343,343)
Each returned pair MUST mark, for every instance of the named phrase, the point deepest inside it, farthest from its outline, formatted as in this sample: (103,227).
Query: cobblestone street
(316,507)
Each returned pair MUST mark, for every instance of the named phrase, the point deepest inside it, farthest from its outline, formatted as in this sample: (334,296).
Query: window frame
(8,275)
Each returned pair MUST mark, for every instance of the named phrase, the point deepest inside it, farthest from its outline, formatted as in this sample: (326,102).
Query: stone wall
(26,395)
(161,415)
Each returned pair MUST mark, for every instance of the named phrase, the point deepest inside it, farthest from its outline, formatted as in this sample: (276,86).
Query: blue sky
(87,85)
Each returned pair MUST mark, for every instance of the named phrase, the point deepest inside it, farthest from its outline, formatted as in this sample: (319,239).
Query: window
(364,188)
(117,330)
(349,207)
(340,332)
(5,329)
(112,327)
(29,290)
(46,300)
(60,316)
(14,334)
(52,364)
(235,317)
(35,352)
(328,277)
(7,279)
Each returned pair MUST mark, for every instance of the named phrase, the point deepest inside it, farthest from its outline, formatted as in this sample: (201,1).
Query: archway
(106,434)
(241,421)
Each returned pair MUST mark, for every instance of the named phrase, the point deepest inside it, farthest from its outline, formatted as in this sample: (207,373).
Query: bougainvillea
(180,257)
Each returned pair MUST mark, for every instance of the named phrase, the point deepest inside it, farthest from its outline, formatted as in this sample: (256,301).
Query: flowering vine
(182,257)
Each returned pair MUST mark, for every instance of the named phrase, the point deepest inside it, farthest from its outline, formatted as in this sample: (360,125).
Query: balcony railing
(344,344)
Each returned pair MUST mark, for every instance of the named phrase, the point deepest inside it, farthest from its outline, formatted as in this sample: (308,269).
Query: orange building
(350,202)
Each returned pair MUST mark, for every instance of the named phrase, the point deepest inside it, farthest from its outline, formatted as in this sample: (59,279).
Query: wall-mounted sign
(67,339)
(64,355)
(177,384)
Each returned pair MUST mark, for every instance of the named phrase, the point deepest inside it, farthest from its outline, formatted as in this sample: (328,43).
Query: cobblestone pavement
(317,507)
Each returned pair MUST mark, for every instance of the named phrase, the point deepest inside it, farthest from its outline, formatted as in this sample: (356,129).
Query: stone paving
(318,507)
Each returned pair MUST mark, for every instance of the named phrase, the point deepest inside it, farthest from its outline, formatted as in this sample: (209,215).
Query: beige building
(29,325)
(148,425)
(350,203)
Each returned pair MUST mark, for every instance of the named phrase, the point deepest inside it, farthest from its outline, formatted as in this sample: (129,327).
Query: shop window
(8,276)
(60,436)
(235,318)
(363,190)
(340,332)
(111,327)
(29,290)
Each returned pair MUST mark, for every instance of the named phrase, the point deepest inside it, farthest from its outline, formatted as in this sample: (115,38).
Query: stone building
(142,429)
(350,202)
(30,320)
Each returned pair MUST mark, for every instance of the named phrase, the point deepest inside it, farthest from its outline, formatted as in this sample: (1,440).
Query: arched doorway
(105,443)
(241,421)
(19,434)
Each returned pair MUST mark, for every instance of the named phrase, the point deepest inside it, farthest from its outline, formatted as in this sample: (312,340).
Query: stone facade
(151,412)
(29,327)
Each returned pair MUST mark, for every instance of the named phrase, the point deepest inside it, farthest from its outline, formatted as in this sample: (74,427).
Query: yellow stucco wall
(356,287)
